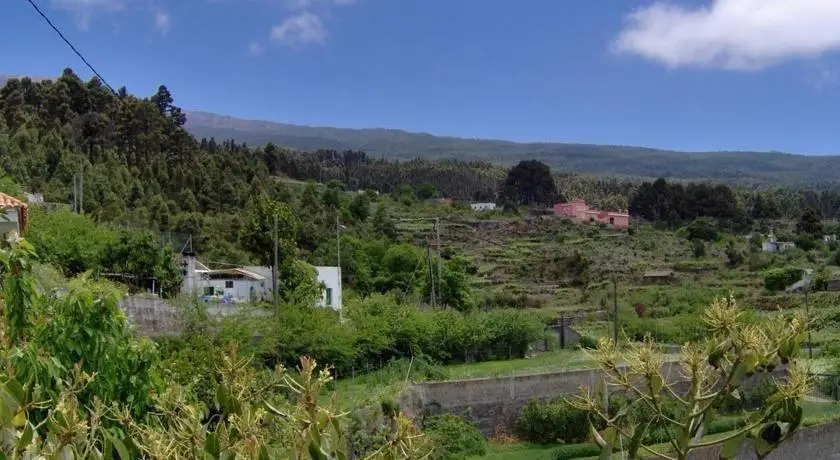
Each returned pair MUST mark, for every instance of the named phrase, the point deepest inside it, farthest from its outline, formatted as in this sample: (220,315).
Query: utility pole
(82,192)
(615,309)
(75,194)
(439,260)
(274,272)
(807,314)
(431,273)
(338,261)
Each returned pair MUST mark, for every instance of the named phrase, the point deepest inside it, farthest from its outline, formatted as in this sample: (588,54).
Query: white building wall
(331,278)
(240,291)
(483,206)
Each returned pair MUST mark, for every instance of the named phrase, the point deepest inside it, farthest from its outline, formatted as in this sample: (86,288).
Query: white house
(331,295)
(250,283)
(483,206)
(777,246)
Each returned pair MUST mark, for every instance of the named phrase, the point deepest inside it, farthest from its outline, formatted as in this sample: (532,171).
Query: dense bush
(552,422)
(675,329)
(571,451)
(779,279)
(453,437)
(702,229)
(377,330)
(587,342)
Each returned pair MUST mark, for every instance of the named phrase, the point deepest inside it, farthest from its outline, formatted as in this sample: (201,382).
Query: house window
(612,220)
(209,290)
(228,284)
(329,297)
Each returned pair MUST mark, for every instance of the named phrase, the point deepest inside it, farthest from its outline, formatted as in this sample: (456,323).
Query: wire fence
(824,388)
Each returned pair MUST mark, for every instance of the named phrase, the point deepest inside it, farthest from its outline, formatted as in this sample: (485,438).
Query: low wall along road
(496,403)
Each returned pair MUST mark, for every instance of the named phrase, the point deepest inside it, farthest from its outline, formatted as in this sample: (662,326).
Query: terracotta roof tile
(10,202)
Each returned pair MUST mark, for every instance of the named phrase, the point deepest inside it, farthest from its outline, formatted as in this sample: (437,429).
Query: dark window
(329,297)
(612,220)
(209,290)
(228,284)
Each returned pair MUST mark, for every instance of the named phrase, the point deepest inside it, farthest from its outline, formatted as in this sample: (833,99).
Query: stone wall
(496,402)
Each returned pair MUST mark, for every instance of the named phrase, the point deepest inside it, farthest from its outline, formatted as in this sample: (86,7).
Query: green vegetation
(432,290)
(759,168)
(735,350)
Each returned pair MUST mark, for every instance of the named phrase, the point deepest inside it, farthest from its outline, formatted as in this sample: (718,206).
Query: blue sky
(689,74)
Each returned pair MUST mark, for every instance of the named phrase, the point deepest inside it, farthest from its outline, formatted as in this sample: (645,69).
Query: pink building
(446,201)
(579,210)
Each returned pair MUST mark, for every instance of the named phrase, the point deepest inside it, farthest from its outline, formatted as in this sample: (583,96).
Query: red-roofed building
(579,210)
(15,214)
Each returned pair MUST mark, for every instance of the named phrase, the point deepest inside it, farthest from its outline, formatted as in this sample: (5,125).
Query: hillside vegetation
(766,168)
(431,289)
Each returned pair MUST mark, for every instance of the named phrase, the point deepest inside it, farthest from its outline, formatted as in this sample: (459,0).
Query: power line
(67,42)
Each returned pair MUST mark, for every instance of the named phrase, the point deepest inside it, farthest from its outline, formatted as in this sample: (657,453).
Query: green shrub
(805,242)
(570,451)
(751,397)
(759,261)
(702,229)
(454,438)
(587,342)
(698,248)
(778,279)
(552,422)
(722,425)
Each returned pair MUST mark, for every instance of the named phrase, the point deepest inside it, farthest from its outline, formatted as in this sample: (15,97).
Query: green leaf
(738,374)
(25,437)
(606,453)
(750,363)
(20,419)
(656,384)
(264,453)
(15,390)
(107,449)
(119,446)
(211,445)
(730,447)
(636,440)
(610,435)
(315,452)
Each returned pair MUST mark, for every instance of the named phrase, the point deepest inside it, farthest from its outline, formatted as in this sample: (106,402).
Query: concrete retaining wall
(494,403)
(812,443)
(154,317)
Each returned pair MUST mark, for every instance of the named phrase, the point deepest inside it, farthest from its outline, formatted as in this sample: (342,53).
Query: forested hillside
(141,168)
(743,168)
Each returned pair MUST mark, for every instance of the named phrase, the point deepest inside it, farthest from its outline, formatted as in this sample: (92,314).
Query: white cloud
(162,22)
(307,4)
(731,34)
(83,10)
(255,48)
(298,30)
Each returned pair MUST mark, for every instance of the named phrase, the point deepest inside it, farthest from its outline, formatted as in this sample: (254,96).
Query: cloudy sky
(684,74)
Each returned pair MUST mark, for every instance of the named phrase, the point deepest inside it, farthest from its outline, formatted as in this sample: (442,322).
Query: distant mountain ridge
(756,167)
(760,168)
